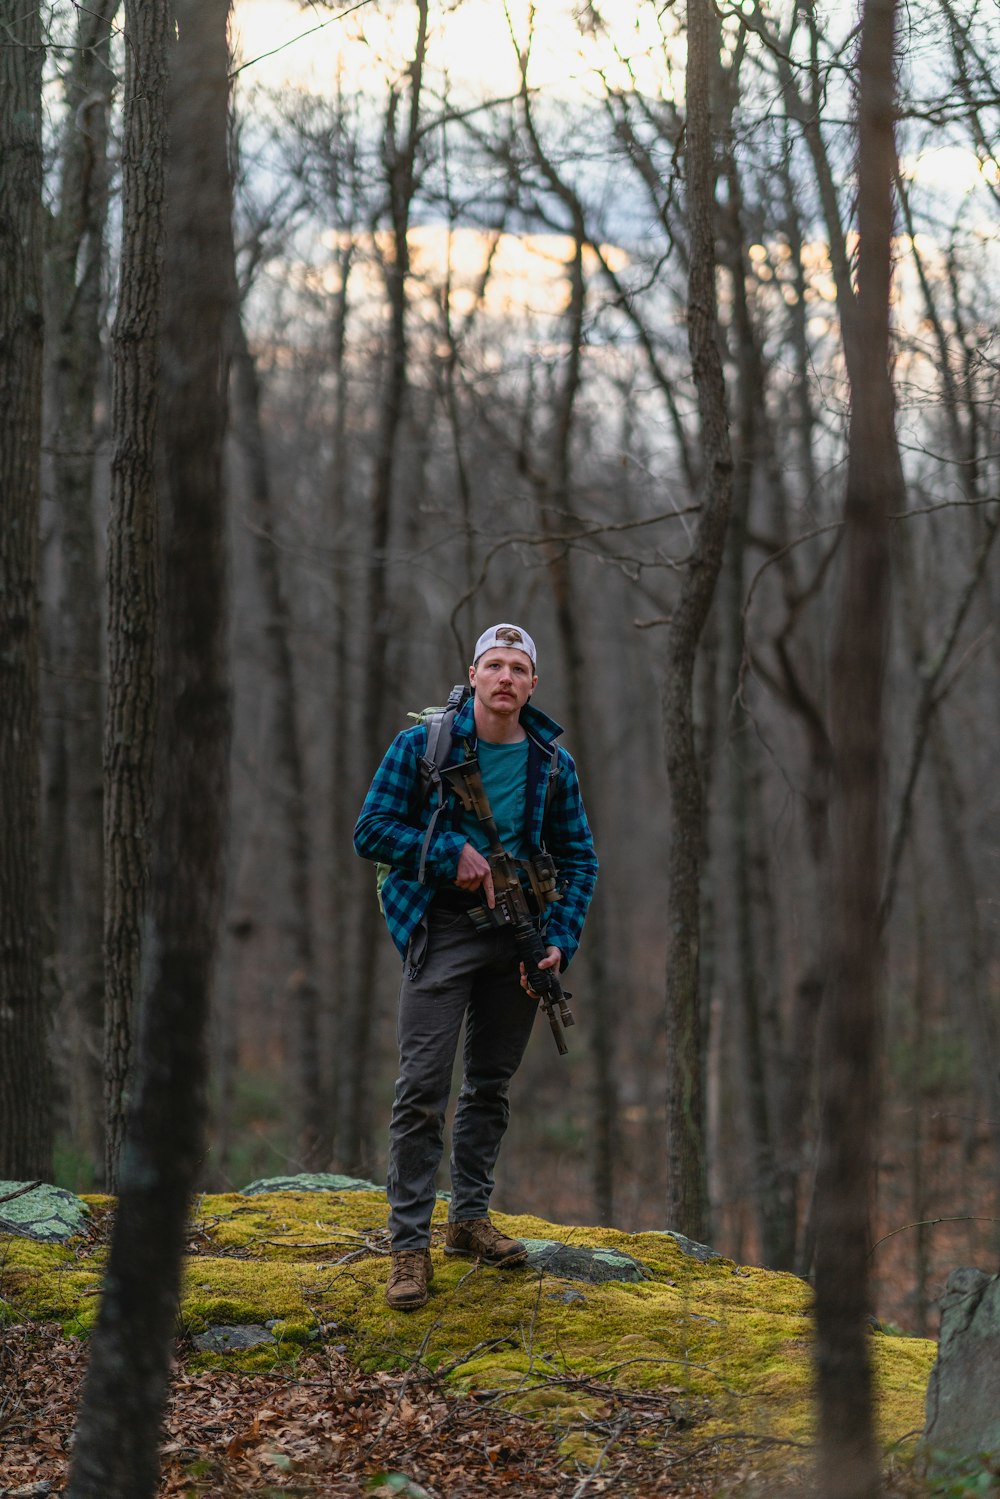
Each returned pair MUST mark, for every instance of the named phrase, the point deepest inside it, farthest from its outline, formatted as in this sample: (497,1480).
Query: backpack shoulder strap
(550,784)
(438,741)
(439,731)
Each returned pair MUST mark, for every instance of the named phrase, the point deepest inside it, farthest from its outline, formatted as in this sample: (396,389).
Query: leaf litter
(323,1427)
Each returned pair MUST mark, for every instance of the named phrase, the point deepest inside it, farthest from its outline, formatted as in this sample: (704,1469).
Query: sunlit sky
(474,43)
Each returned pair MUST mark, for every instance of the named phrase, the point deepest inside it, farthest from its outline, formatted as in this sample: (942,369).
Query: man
(454,972)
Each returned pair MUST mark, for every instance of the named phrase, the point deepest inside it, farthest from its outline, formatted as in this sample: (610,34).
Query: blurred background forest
(461,391)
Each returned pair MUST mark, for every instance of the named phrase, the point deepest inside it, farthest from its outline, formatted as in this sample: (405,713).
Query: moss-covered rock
(310,1181)
(319,1181)
(728,1346)
(577,1262)
(49,1214)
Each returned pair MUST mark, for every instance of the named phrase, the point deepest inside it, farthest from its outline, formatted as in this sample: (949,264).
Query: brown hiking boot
(408,1278)
(478,1237)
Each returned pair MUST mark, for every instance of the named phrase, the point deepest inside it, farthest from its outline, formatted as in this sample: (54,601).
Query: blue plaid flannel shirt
(395,815)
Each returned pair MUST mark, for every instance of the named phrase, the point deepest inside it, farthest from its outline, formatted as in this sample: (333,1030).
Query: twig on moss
(473,1269)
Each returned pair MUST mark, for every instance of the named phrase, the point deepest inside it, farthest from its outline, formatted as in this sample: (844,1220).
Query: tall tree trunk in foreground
(125,1393)
(849,1466)
(687,1190)
(25,1101)
(74,290)
(129,723)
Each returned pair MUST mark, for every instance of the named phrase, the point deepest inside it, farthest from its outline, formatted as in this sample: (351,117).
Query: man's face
(503,680)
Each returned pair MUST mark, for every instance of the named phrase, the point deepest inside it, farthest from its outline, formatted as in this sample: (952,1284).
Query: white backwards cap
(505,638)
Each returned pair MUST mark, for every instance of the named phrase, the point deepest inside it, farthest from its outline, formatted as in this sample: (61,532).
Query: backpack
(439,723)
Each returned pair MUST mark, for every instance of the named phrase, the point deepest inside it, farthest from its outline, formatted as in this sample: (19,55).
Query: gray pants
(465,975)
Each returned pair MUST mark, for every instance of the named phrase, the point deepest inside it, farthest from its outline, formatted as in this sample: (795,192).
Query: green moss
(732,1344)
(98,1202)
(902,1368)
(47,1294)
(233,1291)
(32,1254)
(294,1225)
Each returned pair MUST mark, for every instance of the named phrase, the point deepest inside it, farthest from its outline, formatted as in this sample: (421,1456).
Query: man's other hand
(552,959)
(474,873)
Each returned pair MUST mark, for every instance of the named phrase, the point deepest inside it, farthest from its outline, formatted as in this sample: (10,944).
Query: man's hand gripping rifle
(511,909)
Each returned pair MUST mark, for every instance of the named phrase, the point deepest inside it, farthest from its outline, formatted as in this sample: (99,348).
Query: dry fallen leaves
(327,1429)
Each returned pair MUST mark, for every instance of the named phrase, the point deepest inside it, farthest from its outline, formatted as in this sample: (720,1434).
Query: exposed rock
(310,1181)
(225,1338)
(50,1214)
(575,1262)
(702,1252)
(319,1181)
(963,1395)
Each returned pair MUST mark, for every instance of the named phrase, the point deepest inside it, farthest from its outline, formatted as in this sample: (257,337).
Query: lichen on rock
(310,1181)
(48,1214)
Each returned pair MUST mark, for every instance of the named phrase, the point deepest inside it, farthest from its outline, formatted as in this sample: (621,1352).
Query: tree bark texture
(344,919)
(849,1467)
(75,267)
(354,1123)
(314,1142)
(556,504)
(774,1209)
(556,500)
(687,1191)
(25,1094)
(132,552)
(125,1393)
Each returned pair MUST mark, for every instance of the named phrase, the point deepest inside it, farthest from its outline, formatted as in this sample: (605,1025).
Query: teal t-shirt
(504,769)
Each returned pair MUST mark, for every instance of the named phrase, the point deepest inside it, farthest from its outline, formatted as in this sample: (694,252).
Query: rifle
(511,910)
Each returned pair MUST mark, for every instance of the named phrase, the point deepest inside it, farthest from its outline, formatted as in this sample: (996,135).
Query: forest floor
(692,1381)
(328,1429)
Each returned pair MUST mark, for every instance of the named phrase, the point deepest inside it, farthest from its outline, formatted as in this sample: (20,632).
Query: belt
(451,898)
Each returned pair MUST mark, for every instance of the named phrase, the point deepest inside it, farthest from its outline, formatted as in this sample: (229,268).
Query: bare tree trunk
(116,1448)
(927,706)
(73,316)
(849,1467)
(687,1192)
(25,1098)
(918,1143)
(344,915)
(974,1004)
(556,506)
(806,701)
(354,1123)
(776,1226)
(132,555)
(314,1143)
(968,959)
